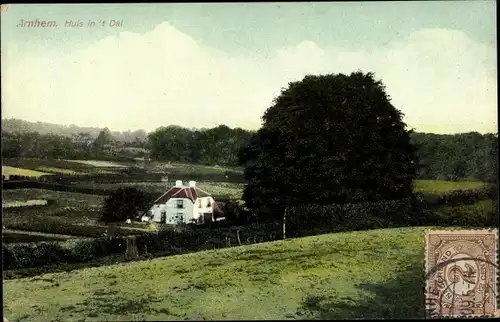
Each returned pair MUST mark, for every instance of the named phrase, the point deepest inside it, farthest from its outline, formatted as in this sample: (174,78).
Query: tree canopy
(104,138)
(329,139)
(123,204)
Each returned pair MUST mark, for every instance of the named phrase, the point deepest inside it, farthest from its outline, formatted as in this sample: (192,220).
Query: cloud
(442,80)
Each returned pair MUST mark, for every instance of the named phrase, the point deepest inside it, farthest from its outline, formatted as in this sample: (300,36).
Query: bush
(124,204)
(46,253)
(82,251)
(460,197)
(481,214)
(347,217)
(20,256)
(32,255)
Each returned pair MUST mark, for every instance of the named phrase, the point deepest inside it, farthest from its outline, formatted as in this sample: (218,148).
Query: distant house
(183,205)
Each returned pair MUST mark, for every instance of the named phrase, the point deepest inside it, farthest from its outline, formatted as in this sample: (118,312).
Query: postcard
(249,161)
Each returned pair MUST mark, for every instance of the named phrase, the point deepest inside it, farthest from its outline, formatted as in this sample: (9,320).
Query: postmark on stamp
(461,273)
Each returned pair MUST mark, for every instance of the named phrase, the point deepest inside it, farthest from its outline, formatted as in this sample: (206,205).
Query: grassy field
(64,199)
(69,208)
(97,163)
(9,237)
(184,167)
(9,171)
(233,190)
(440,186)
(57,166)
(370,274)
(31,163)
(16,204)
(59,170)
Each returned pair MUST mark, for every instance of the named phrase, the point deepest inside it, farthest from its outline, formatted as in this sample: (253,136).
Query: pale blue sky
(254,33)
(258,27)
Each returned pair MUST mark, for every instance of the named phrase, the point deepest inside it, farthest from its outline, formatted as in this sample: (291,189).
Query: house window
(208,203)
(163,216)
(180,203)
(199,203)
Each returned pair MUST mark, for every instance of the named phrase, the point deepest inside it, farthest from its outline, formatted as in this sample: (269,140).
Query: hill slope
(21,126)
(370,274)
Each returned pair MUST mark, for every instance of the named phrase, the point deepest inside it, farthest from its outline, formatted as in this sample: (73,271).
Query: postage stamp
(461,273)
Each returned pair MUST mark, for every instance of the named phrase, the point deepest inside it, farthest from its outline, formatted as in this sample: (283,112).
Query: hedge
(166,242)
(303,220)
(460,197)
(348,217)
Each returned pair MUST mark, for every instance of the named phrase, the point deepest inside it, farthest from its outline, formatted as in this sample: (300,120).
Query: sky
(142,66)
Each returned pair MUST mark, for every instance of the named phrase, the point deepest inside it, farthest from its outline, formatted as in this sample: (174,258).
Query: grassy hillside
(369,274)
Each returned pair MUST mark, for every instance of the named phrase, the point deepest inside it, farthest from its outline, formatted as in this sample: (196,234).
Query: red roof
(182,192)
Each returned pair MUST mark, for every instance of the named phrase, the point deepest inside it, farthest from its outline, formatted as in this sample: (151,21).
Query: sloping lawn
(368,274)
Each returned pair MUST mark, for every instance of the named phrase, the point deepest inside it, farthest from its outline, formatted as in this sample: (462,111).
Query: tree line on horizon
(470,155)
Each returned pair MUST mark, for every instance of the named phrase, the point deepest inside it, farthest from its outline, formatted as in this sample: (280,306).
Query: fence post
(238,235)
(284,222)
(132,251)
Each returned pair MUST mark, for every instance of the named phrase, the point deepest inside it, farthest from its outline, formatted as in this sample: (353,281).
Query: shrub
(124,204)
(20,256)
(347,217)
(83,251)
(481,214)
(460,197)
(46,253)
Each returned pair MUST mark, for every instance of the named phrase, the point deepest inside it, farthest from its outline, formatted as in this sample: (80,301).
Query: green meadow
(368,274)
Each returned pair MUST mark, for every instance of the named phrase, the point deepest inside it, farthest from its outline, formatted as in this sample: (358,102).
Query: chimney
(178,183)
(192,184)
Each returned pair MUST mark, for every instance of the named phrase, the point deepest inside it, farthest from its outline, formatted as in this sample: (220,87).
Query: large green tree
(329,139)
(170,143)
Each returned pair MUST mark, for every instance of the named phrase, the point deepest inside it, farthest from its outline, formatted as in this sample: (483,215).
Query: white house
(183,204)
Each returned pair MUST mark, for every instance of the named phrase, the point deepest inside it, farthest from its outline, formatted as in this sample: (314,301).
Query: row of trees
(52,146)
(319,122)
(219,145)
(458,156)
(21,126)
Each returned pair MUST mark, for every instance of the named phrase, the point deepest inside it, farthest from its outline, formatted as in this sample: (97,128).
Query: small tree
(104,138)
(124,204)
